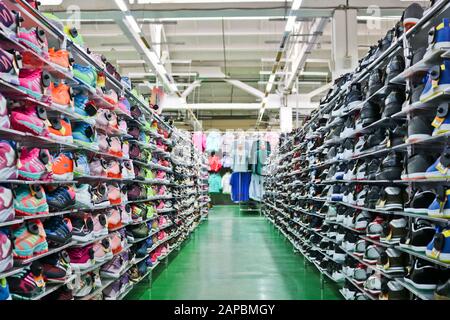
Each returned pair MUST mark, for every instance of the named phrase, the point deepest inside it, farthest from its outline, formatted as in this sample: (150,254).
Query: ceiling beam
(245,87)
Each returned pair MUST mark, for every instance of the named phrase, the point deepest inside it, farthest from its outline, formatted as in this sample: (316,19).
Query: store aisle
(236,256)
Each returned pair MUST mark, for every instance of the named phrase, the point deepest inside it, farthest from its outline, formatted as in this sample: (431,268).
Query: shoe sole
(420,286)
(434,92)
(63,177)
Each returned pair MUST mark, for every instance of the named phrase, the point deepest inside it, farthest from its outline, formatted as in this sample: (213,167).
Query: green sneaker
(87,75)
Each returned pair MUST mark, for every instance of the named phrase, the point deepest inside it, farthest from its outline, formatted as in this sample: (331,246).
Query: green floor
(235,255)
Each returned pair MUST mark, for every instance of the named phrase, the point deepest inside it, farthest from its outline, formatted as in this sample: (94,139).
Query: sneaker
(114,219)
(439,36)
(81,165)
(128,170)
(112,292)
(4,288)
(100,195)
(33,164)
(375,81)
(57,231)
(439,247)
(392,198)
(85,74)
(442,291)
(391,167)
(29,239)
(86,286)
(416,166)
(28,283)
(114,170)
(56,267)
(83,229)
(100,225)
(85,108)
(61,198)
(439,169)
(103,118)
(441,122)
(114,194)
(83,196)
(139,231)
(419,236)
(60,130)
(373,284)
(61,96)
(8,161)
(437,81)
(98,167)
(115,147)
(424,275)
(116,243)
(375,228)
(102,250)
(113,268)
(420,202)
(34,82)
(372,254)
(9,19)
(30,119)
(392,261)
(393,290)
(393,103)
(419,128)
(124,105)
(62,167)
(412,14)
(60,57)
(30,200)
(81,258)
(394,68)
(6,252)
(7,212)
(84,135)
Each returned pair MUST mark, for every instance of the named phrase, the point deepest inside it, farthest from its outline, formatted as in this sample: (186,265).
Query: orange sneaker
(62,167)
(60,130)
(60,57)
(62,96)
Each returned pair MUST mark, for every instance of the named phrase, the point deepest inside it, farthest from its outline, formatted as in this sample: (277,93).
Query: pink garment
(273,138)
(199,140)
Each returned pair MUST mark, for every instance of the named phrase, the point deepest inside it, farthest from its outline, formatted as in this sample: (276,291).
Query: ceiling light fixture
(133,24)
(122,6)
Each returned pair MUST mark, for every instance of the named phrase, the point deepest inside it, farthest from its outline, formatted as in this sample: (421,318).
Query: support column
(344,41)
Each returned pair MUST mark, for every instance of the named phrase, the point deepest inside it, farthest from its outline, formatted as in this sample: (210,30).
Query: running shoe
(4,290)
(112,292)
(4,114)
(98,168)
(114,218)
(62,96)
(9,19)
(81,258)
(83,229)
(29,239)
(116,243)
(83,196)
(111,97)
(84,107)
(34,39)
(10,66)
(103,118)
(60,57)
(100,195)
(87,75)
(81,165)
(56,267)
(6,252)
(8,160)
(29,282)
(124,105)
(60,130)
(57,231)
(114,170)
(30,200)
(114,194)
(85,135)
(63,167)
(115,147)
(34,82)
(100,225)
(113,268)
(7,212)
(34,164)
(86,286)
(102,250)
(61,198)
(74,35)
(30,119)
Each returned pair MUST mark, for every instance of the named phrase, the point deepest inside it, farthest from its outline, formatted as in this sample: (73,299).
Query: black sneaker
(393,103)
(443,291)
(416,166)
(420,201)
(372,168)
(375,139)
(412,15)
(394,68)
(372,197)
(394,231)
(391,167)
(419,236)
(393,290)
(354,97)
(398,135)
(425,275)
(370,113)
(375,81)
(413,94)
(392,261)
(419,128)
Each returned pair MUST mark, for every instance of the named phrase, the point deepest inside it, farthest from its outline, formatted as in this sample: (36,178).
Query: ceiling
(211,39)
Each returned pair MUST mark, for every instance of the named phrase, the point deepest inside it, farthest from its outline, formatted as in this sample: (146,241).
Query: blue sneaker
(439,247)
(84,108)
(441,122)
(437,81)
(81,165)
(440,207)
(57,231)
(440,168)
(85,135)
(4,290)
(149,242)
(61,198)
(439,36)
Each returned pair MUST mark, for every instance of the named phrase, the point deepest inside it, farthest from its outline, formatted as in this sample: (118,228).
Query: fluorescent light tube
(122,6)
(133,24)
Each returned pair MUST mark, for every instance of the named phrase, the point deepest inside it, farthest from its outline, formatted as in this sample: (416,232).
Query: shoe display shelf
(350,152)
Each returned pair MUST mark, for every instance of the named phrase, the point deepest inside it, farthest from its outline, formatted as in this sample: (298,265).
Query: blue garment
(240,185)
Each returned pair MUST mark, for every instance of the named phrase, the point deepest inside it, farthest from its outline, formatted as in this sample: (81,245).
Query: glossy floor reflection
(236,255)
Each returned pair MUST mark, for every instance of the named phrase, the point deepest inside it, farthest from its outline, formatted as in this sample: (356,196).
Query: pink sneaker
(113,122)
(114,194)
(161,235)
(30,119)
(161,175)
(115,148)
(124,105)
(158,251)
(126,213)
(162,191)
(162,221)
(98,168)
(112,97)
(114,170)
(164,251)
(8,161)
(161,205)
(34,82)
(114,219)
(103,117)
(33,164)
(123,127)
(100,225)
(104,142)
(7,212)
(154,258)
(34,39)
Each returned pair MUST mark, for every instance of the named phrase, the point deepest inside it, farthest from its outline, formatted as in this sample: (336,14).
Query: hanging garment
(199,140)
(259,156)
(227,161)
(213,142)
(240,155)
(256,190)
(214,164)
(215,183)
(240,184)
(226,186)
(273,138)
(227,142)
